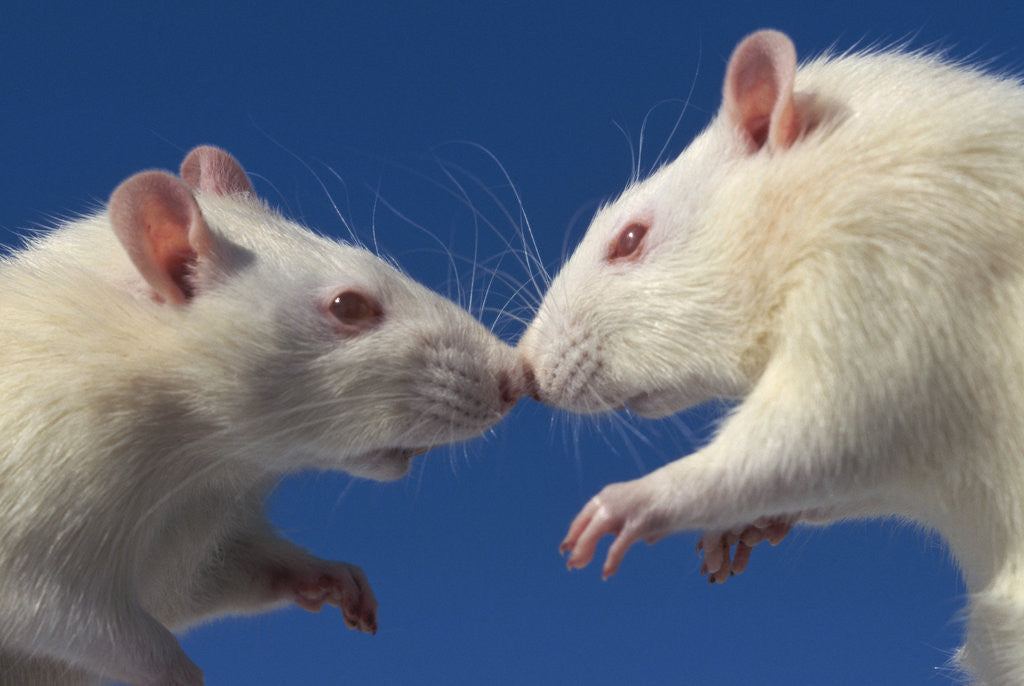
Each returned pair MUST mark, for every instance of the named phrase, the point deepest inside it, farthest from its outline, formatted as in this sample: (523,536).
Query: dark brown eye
(355,309)
(628,242)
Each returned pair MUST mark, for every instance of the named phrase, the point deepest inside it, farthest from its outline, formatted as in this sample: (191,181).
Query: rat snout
(510,393)
(516,384)
(530,387)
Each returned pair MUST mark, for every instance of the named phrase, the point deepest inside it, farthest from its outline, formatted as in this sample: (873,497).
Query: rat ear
(159,223)
(211,170)
(758,91)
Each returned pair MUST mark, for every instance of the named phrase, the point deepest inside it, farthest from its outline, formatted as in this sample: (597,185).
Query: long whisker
(319,181)
(529,246)
(445,248)
(527,260)
(686,105)
(634,162)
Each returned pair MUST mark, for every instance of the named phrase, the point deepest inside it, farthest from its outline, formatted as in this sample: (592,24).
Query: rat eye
(355,309)
(628,242)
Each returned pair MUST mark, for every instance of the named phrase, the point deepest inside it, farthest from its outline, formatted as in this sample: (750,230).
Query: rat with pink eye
(165,363)
(841,252)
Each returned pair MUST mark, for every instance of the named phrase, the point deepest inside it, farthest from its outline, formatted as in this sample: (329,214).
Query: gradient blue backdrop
(379,111)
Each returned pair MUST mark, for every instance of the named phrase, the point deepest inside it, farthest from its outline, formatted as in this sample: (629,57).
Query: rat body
(841,251)
(165,362)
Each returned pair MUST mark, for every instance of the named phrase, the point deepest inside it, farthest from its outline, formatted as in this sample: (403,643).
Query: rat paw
(717,565)
(716,546)
(627,511)
(335,583)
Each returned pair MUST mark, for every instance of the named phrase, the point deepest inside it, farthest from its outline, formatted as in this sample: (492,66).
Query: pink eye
(628,242)
(355,309)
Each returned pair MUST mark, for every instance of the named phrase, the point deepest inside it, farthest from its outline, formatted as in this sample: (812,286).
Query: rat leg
(257,570)
(651,507)
(716,546)
(776,455)
(16,668)
(128,645)
(312,582)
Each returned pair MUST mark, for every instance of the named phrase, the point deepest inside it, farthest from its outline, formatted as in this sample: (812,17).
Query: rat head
(664,303)
(292,350)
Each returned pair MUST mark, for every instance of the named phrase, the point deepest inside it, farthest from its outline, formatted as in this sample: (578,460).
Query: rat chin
(657,404)
(389,464)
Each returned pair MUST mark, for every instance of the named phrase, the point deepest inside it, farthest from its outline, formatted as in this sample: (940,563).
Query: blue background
(406,117)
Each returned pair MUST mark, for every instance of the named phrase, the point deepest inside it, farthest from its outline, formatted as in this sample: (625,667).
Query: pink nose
(530,382)
(515,385)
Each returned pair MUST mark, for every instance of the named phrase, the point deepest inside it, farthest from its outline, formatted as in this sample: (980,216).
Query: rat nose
(509,391)
(530,382)
(515,385)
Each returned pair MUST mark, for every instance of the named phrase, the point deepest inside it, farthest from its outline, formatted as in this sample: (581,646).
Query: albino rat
(842,250)
(164,363)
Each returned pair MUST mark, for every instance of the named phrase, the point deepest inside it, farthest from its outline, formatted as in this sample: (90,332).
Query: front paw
(716,546)
(334,583)
(629,511)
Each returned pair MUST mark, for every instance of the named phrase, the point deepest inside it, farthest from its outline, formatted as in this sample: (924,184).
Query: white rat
(164,363)
(842,251)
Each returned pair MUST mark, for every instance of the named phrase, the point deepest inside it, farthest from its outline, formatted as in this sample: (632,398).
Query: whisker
(445,248)
(686,105)
(528,233)
(527,260)
(634,162)
(319,181)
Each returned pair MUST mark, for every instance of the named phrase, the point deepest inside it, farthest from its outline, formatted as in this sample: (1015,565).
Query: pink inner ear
(209,169)
(758,91)
(170,254)
(163,231)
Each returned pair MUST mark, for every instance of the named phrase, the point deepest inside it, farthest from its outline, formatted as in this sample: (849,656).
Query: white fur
(138,438)
(860,289)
